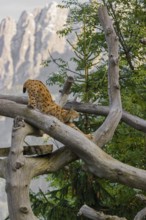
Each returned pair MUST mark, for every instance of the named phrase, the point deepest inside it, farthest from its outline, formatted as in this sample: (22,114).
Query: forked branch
(106,131)
(97,161)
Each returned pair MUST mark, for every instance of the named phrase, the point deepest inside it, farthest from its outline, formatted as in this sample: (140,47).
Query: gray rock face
(25,44)
(7,31)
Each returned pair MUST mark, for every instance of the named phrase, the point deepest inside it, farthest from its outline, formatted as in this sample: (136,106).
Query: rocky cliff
(25,44)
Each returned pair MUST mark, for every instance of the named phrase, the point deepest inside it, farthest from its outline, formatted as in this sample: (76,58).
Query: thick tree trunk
(18,175)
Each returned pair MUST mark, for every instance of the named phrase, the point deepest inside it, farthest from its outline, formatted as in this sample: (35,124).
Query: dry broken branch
(29,150)
(53,162)
(92,214)
(66,90)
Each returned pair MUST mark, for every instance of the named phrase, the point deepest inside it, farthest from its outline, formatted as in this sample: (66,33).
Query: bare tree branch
(29,150)
(97,161)
(127,50)
(140,215)
(132,120)
(53,162)
(18,99)
(92,214)
(106,131)
(66,90)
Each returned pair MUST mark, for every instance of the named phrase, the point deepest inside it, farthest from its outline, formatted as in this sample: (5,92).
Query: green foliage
(83,19)
(123,202)
(72,186)
(68,189)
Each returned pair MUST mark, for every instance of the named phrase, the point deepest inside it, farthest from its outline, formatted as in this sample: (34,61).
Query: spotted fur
(40,98)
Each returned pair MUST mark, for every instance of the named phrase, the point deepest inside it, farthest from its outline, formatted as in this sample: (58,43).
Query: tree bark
(132,120)
(97,161)
(18,174)
(30,150)
(66,90)
(20,170)
(92,214)
(106,131)
(141,215)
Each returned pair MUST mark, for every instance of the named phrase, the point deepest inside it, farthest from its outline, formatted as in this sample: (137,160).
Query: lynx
(40,98)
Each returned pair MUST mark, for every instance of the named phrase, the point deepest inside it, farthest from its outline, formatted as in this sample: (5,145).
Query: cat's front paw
(30,106)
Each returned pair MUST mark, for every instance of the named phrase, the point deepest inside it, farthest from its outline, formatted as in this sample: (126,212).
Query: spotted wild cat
(40,98)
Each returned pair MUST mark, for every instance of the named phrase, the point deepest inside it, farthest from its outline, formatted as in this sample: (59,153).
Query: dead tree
(18,169)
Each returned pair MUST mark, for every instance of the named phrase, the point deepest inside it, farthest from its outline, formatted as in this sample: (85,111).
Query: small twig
(65,68)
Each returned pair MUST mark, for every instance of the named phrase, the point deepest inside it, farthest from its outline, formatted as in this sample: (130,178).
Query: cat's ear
(24,89)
